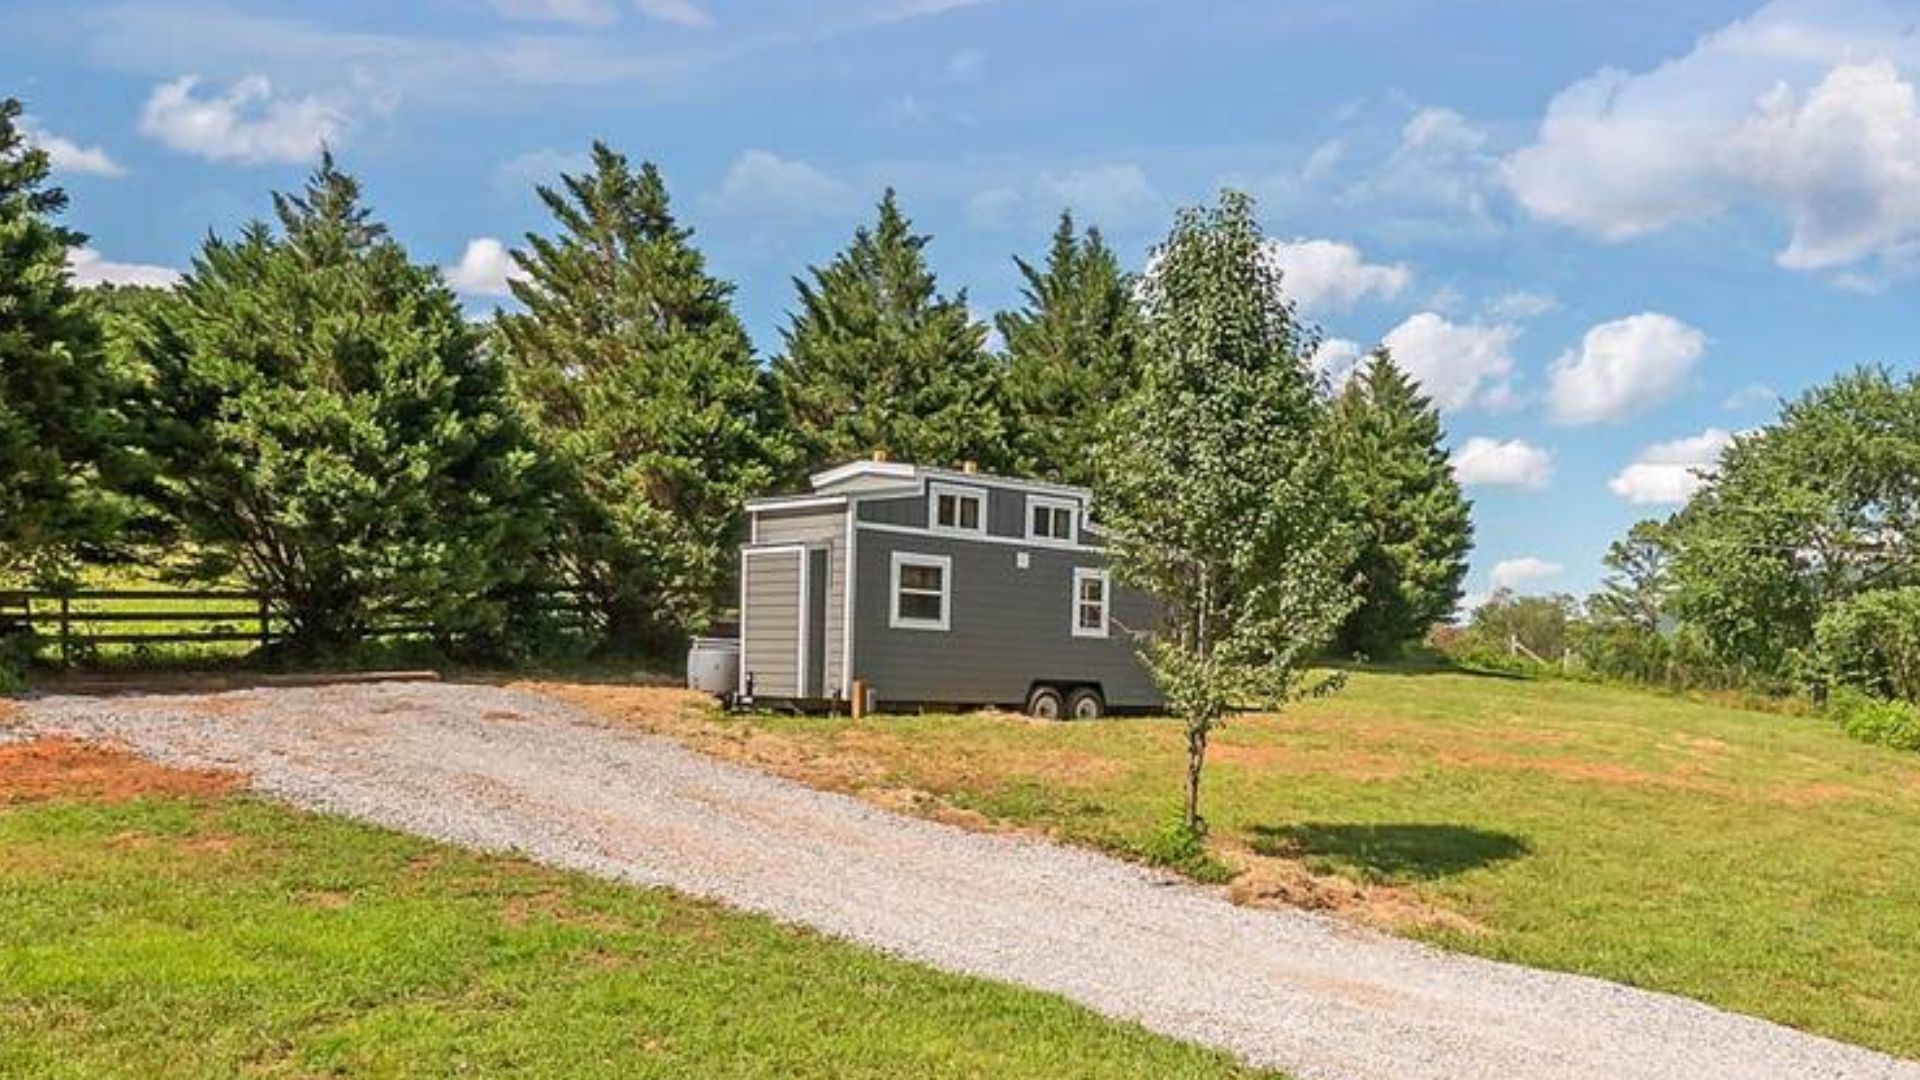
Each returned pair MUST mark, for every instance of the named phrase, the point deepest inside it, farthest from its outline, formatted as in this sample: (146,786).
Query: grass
(1760,862)
(202,934)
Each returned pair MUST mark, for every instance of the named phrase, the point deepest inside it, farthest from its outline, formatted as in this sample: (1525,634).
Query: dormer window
(1057,520)
(959,509)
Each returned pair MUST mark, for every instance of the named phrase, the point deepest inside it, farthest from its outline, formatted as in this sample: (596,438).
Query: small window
(1052,519)
(922,591)
(959,509)
(1090,603)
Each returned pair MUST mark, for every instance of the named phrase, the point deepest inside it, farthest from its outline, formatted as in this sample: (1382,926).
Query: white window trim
(1084,573)
(964,491)
(910,558)
(1071,506)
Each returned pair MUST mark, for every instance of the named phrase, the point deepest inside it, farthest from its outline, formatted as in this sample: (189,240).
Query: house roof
(865,473)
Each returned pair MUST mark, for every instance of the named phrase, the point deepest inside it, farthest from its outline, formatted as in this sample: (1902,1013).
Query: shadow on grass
(1389,853)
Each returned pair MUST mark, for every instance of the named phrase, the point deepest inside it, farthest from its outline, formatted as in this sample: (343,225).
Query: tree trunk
(1196,759)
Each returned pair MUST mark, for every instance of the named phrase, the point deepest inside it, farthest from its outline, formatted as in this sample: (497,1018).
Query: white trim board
(974,538)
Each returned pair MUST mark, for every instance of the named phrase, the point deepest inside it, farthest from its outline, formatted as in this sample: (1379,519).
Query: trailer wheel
(1086,704)
(1045,703)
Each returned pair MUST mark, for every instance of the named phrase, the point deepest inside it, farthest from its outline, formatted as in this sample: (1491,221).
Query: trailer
(951,588)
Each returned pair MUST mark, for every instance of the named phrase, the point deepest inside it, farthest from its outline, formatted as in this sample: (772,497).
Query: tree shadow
(1389,852)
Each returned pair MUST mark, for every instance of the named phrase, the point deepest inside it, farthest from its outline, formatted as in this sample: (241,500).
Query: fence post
(266,625)
(66,614)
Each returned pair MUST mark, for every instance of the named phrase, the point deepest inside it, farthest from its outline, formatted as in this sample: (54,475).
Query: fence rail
(80,619)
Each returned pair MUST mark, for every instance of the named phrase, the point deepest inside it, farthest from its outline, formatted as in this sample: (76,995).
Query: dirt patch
(71,769)
(1268,881)
(554,906)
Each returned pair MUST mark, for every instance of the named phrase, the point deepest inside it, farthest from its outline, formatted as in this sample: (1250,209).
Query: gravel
(508,771)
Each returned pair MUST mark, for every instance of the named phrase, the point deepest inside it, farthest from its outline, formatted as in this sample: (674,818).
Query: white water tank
(713,665)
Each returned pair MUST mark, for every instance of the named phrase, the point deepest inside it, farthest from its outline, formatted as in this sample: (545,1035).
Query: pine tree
(1070,354)
(55,424)
(1415,526)
(1219,486)
(1636,590)
(638,377)
(877,359)
(324,423)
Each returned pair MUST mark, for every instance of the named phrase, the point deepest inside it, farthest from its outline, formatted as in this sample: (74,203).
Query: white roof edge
(839,473)
(900,470)
(795,502)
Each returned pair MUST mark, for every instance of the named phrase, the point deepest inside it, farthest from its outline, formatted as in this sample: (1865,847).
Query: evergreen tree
(324,423)
(1415,527)
(1219,484)
(876,359)
(1638,584)
(1070,354)
(55,424)
(638,378)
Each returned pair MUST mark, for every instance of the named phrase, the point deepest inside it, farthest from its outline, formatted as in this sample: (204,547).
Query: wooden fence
(79,620)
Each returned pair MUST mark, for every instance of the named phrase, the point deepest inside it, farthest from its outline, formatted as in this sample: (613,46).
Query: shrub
(1874,720)
(1182,847)
(1871,644)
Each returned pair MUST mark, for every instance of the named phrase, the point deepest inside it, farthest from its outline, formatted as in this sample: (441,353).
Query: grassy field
(1763,863)
(154,924)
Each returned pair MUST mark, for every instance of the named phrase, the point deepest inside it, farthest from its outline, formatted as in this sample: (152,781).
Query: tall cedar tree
(877,360)
(639,379)
(1415,527)
(325,423)
(1071,354)
(1219,484)
(1636,590)
(55,420)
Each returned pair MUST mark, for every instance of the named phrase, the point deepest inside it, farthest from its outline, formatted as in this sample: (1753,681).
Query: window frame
(1091,573)
(959,491)
(944,563)
(1054,503)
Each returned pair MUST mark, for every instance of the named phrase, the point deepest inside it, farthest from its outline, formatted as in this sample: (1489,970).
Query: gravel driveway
(498,769)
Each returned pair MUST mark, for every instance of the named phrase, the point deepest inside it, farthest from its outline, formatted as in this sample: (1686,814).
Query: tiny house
(937,587)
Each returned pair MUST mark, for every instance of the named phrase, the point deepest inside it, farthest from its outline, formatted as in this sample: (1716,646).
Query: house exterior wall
(770,621)
(1006,509)
(1008,627)
(824,527)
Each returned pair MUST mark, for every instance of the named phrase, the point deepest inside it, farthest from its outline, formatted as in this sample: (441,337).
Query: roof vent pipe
(969,467)
(880,455)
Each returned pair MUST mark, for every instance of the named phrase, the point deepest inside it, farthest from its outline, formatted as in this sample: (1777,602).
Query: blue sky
(1605,236)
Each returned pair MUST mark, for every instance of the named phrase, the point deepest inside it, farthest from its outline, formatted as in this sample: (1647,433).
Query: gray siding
(826,527)
(770,619)
(1006,511)
(1009,627)
(909,511)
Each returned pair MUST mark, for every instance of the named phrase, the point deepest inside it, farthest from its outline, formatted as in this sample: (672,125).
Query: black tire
(1045,703)
(1086,704)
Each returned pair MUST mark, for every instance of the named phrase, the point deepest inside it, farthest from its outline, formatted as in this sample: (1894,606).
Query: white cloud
(1751,395)
(1624,368)
(88,268)
(1458,365)
(522,172)
(1337,359)
(761,184)
(572,12)
(1442,161)
(1325,276)
(1520,305)
(1517,574)
(1484,462)
(1844,164)
(70,156)
(678,12)
(1114,195)
(1806,106)
(246,124)
(1668,473)
(485,268)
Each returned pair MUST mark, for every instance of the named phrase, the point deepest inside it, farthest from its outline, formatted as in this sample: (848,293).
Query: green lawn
(213,936)
(1760,862)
